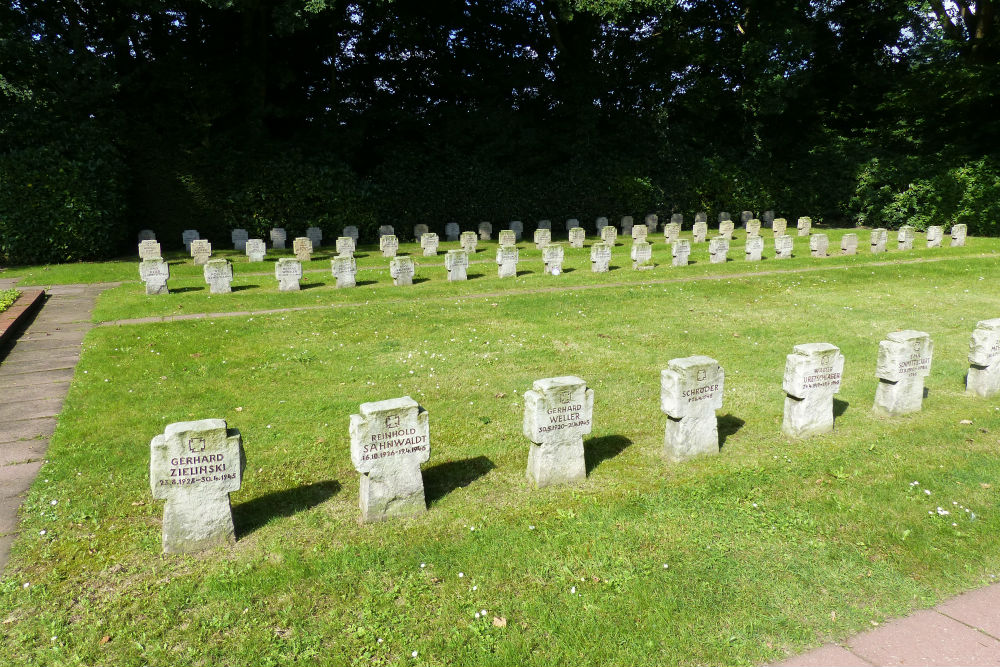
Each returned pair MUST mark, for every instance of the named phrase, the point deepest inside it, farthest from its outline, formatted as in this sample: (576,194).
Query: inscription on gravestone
(805,226)
(345,246)
(640,232)
(552,256)
(754,248)
(818,245)
(149,250)
(904,360)
(219,276)
(457,263)
(201,251)
(429,243)
(904,238)
(344,269)
(255,250)
(935,233)
(671,232)
(984,359)
(402,269)
(577,235)
(680,251)
(543,237)
(388,244)
(155,273)
(278,238)
(718,249)
(779,226)
(469,241)
(507,237)
(879,238)
(690,393)
(610,235)
(849,244)
(642,254)
(812,377)
(558,412)
(958,234)
(288,271)
(303,248)
(485,231)
(600,257)
(783,246)
(507,261)
(699,232)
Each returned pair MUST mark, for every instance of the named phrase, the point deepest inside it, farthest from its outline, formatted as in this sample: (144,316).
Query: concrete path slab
(27,429)
(831,654)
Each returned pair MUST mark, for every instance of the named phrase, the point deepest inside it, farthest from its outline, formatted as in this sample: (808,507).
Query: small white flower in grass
(423,565)
(927,492)
(414,654)
(461,575)
(41,532)
(54,503)
(531,527)
(755,504)
(25,585)
(665,566)
(955,524)
(477,615)
(475,588)
(472,529)
(572,591)
(380,640)
(914,483)
(482,612)
(954,502)
(54,638)
(269,426)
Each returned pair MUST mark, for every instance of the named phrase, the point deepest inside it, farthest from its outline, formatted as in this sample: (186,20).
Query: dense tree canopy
(217,113)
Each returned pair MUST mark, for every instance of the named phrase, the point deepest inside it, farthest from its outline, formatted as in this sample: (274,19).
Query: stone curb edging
(12,320)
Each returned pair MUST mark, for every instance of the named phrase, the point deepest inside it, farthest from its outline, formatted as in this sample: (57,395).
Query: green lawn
(771,547)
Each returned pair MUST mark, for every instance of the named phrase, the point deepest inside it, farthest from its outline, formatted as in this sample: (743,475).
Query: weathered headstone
(507,261)
(779,226)
(652,221)
(149,250)
(419,230)
(386,230)
(904,238)
(849,244)
(958,234)
(485,231)
(783,246)
(219,276)
(507,237)
(818,245)
(640,232)
(642,255)
(451,231)
(288,271)
(315,234)
(240,237)
(552,256)
(753,227)
(429,243)
(984,359)
(690,393)
(402,269)
(352,231)
(680,252)
(600,223)
(388,244)
(804,226)
(558,412)
(754,248)
(544,224)
(677,219)
(879,239)
(187,236)
(627,225)
(812,377)
(345,269)
(201,251)
(745,217)
(155,273)
(935,233)
(600,257)
(302,246)
(577,236)
(699,232)
(726,228)
(278,238)
(517,227)
(469,241)
(724,216)
(904,360)
(255,250)
(671,232)
(194,466)
(457,263)
(146,235)
(609,235)
(718,250)
(543,237)
(701,216)
(767,218)
(571,223)
(345,246)
(389,441)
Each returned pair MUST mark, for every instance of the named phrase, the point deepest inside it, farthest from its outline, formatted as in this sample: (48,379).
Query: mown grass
(8,297)
(771,547)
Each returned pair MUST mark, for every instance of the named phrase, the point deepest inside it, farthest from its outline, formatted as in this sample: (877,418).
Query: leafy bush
(8,297)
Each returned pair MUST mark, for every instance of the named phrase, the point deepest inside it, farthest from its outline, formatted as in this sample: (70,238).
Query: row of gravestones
(195,465)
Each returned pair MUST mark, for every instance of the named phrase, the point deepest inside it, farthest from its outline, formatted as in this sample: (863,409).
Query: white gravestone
(552,255)
(984,359)
(201,251)
(640,233)
(517,227)
(485,231)
(278,238)
(507,261)
(507,237)
(457,263)
(805,226)
(288,271)
(904,238)
(610,235)
(240,237)
(718,250)
(543,237)
(194,466)
(690,393)
(779,226)
(677,219)
(754,248)
(600,223)
(469,241)
(577,235)
(429,243)
(389,441)
(303,248)
(155,273)
(652,221)
(315,234)
(255,250)
(600,257)
(935,233)
(753,227)
(386,230)
(680,252)
(812,377)
(701,216)
(344,268)
(187,236)
(419,230)
(149,250)
(642,254)
(388,244)
(451,231)
(904,360)
(352,231)
(544,224)
(571,223)
(627,225)
(671,232)
(783,246)
(219,276)
(878,240)
(849,244)
(345,246)
(726,228)
(402,269)
(558,412)
(818,245)
(699,231)
(958,234)
(146,235)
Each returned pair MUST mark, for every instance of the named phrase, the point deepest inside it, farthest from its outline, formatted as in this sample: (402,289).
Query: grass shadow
(311,285)
(182,290)
(443,478)
(257,513)
(474,276)
(524,273)
(839,407)
(598,450)
(728,425)
(362,283)
(240,288)
(417,281)
(568,270)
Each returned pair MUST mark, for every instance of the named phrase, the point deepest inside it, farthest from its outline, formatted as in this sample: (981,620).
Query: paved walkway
(34,378)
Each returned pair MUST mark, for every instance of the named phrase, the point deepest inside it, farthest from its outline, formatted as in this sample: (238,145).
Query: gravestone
(935,234)
(600,223)
(818,245)
(419,230)
(517,227)
(388,244)
(671,232)
(187,236)
(879,239)
(240,237)
(278,238)
(345,269)
(451,231)
(288,271)
(753,227)
(577,236)
(724,216)
(429,243)
(149,250)
(690,393)
(718,250)
(779,226)
(255,250)
(386,230)
(700,231)
(767,218)
(640,232)
(543,237)
(984,359)
(345,246)
(146,235)
(600,257)
(469,241)
(507,237)
(754,248)
(783,246)
(352,231)
(701,216)
(485,231)
(680,251)
(726,229)
(194,466)
(302,246)
(610,235)
(745,217)
(904,360)
(315,234)
(958,234)
(402,269)
(389,441)
(804,226)
(812,377)
(155,273)
(904,238)
(457,263)
(507,261)
(677,219)
(201,251)
(544,224)
(552,255)
(558,412)
(219,276)
(652,220)
(642,254)
(627,225)
(849,244)
(571,223)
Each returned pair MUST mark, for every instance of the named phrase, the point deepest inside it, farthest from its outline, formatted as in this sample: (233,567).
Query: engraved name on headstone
(457,263)
(984,359)
(849,244)
(718,250)
(783,246)
(577,236)
(507,261)
(640,232)
(642,254)
(149,249)
(288,271)
(429,243)
(812,377)
(600,257)
(904,360)
(879,239)
(255,250)
(302,246)
(344,268)
(818,245)
(804,226)
(507,237)
(690,393)
(558,412)
(345,246)
(278,238)
(699,232)
(469,241)
(680,251)
(388,244)
(402,269)
(155,273)
(754,248)
(958,234)
(219,276)
(552,256)
(543,237)
(201,251)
